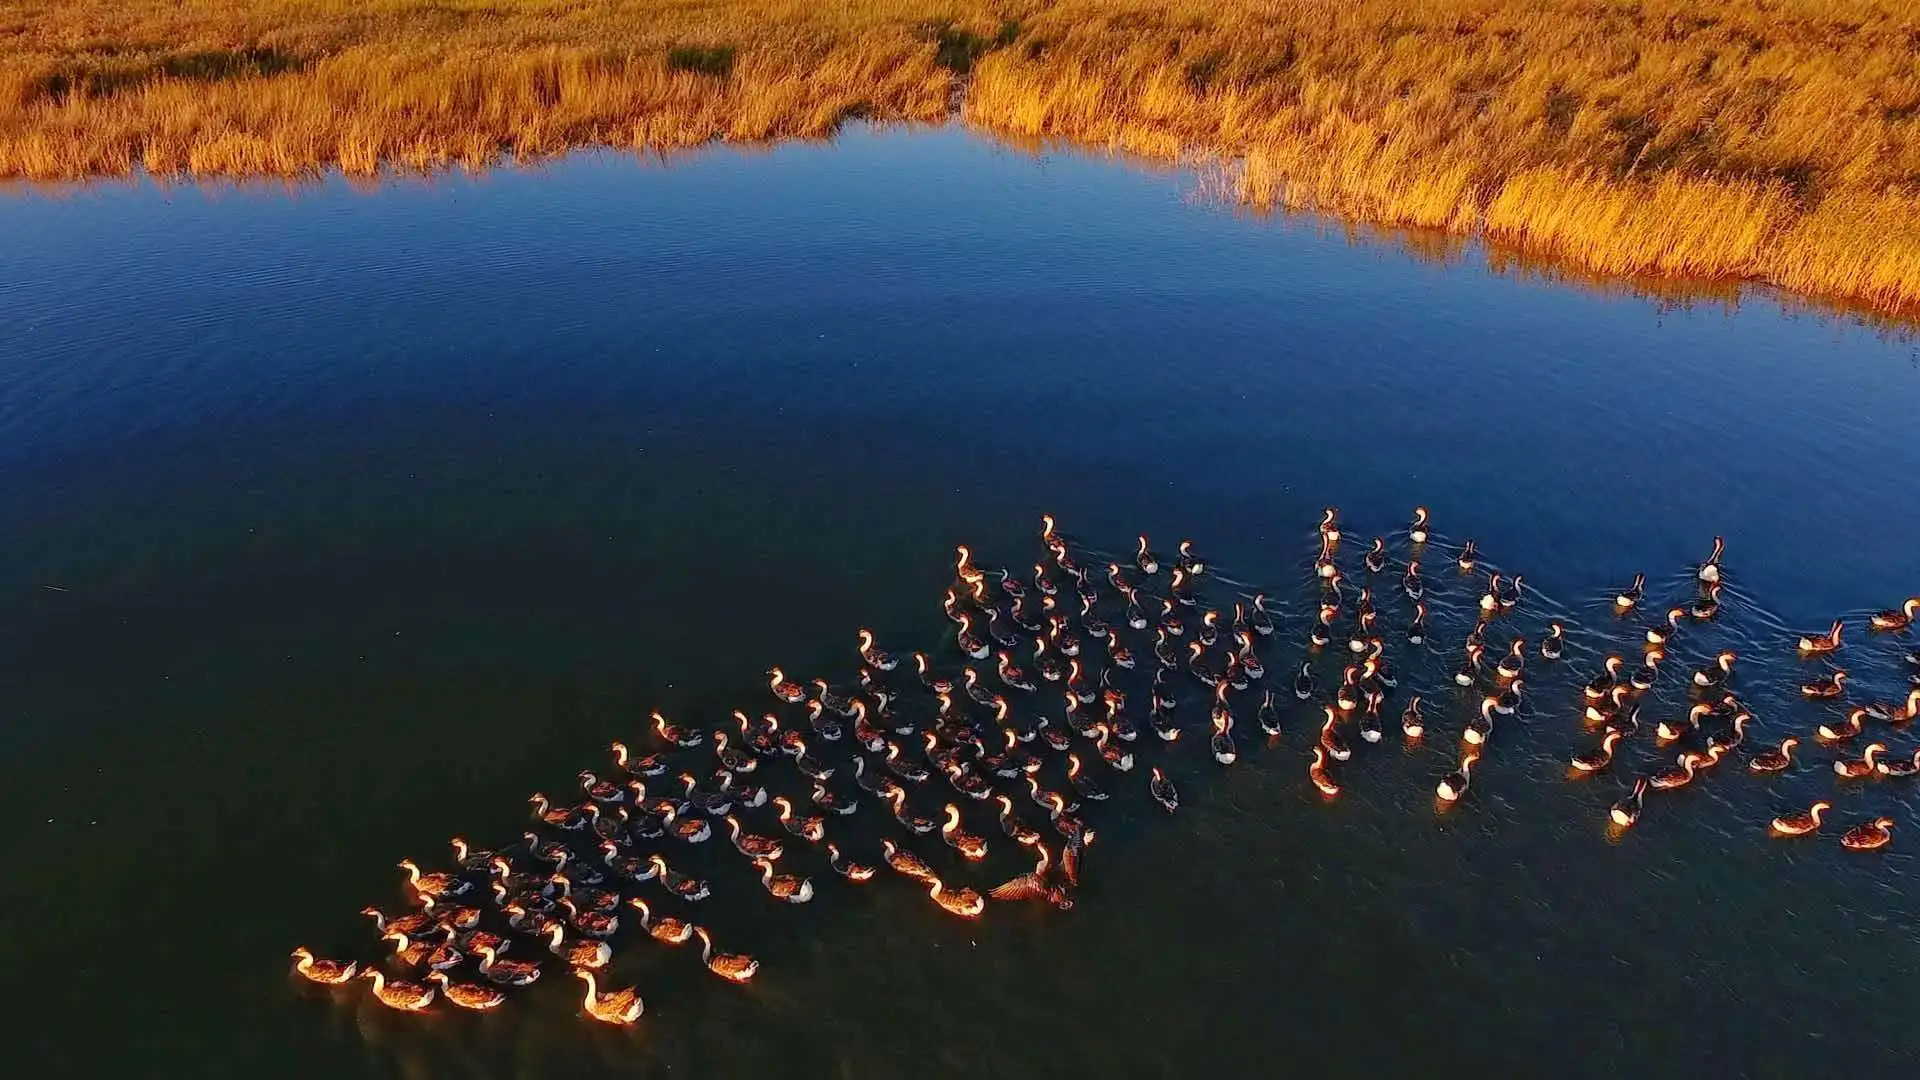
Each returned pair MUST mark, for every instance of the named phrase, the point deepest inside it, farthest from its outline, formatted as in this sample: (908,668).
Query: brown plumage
(325,972)
(468,995)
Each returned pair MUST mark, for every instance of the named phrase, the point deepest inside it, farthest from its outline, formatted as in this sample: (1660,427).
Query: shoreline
(1473,118)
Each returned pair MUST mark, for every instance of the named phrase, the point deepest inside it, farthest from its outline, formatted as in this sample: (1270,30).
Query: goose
(1800,824)
(1896,620)
(1626,812)
(1453,785)
(1854,770)
(1163,791)
(612,1007)
(792,888)
(1629,598)
(1417,532)
(733,967)
(323,971)
(846,868)
(467,995)
(1709,572)
(1817,644)
(404,996)
(1868,835)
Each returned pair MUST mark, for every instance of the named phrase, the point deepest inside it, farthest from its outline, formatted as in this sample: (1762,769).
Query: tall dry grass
(1770,140)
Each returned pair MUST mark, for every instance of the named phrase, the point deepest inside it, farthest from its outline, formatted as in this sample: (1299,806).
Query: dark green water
(334,522)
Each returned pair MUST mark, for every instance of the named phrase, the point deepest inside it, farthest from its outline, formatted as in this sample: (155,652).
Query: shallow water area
(337,521)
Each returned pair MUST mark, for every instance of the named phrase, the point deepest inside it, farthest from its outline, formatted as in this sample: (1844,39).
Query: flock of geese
(1032,717)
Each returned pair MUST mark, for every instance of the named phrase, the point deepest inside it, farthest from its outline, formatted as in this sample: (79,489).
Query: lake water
(336,520)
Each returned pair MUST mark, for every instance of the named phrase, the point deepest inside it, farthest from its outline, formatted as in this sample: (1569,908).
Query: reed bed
(1765,140)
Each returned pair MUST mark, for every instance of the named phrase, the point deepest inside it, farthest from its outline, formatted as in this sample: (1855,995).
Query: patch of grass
(715,60)
(1203,70)
(213,65)
(102,72)
(955,49)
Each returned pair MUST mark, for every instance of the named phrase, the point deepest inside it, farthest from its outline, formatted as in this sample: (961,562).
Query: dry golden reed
(1767,140)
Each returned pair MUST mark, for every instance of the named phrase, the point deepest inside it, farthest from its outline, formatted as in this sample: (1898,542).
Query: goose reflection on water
(555,897)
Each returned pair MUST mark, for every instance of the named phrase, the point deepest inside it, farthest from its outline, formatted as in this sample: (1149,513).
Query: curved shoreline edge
(1763,141)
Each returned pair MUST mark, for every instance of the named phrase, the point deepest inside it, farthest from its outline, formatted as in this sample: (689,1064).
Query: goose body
(969,846)
(810,828)
(914,823)
(1682,773)
(876,658)
(507,972)
(1330,526)
(1800,824)
(681,885)
(466,995)
(733,967)
(1890,713)
(1825,686)
(438,886)
(1829,732)
(1375,559)
(325,972)
(665,929)
(1304,683)
(643,765)
(1625,813)
(404,996)
(1144,558)
(1417,531)
(1480,728)
(1709,572)
(1262,619)
(1082,783)
(792,888)
(611,1007)
(1819,644)
(905,862)
(579,953)
(1220,744)
(1163,791)
(1648,672)
(1603,684)
(1330,739)
(1718,674)
(1412,724)
(1669,731)
(1773,761)
(1629,598)
(847,868)
(1453,785)
(1553,645)
(1900,767)
(784,688)
(1317,773)
(1896,620)
(1595,760)
(675,734)
(751,845)
(1269,715)
(1868,835)
(963,902)
(1854,770)
(1707,607)
(1035,884)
